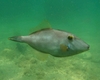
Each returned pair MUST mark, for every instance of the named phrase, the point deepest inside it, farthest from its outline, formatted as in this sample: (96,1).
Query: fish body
(55,42)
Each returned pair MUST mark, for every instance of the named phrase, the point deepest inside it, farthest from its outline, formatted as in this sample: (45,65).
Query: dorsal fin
(44,25)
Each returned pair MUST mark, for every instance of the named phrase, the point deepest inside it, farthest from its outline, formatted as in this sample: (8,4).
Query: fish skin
(49,41)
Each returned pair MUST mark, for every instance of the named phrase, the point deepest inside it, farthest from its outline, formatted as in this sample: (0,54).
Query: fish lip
(88,47)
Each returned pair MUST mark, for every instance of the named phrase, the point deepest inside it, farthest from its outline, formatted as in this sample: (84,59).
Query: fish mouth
(88,47)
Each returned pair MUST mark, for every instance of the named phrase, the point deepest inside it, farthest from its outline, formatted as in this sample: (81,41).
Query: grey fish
(55,42)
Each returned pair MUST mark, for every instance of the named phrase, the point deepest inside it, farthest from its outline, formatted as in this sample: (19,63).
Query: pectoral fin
(63,47)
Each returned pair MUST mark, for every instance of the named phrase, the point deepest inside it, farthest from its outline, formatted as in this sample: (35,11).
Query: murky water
(18,61)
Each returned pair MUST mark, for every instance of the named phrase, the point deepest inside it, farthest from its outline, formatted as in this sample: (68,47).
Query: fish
(58,43)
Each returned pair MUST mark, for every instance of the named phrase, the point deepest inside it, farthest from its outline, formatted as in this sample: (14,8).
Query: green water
(20,62)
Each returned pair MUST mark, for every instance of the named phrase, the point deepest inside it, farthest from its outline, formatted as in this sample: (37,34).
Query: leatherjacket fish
(55,42)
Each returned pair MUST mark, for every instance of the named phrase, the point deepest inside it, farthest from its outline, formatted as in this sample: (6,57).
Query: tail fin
(16,38)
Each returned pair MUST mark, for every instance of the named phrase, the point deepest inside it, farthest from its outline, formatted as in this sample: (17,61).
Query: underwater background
(19,61)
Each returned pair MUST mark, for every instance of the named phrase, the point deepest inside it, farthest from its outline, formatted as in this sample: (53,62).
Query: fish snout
(88,47)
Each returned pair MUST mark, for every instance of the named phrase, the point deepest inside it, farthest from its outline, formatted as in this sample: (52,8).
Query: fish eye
(70,37)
